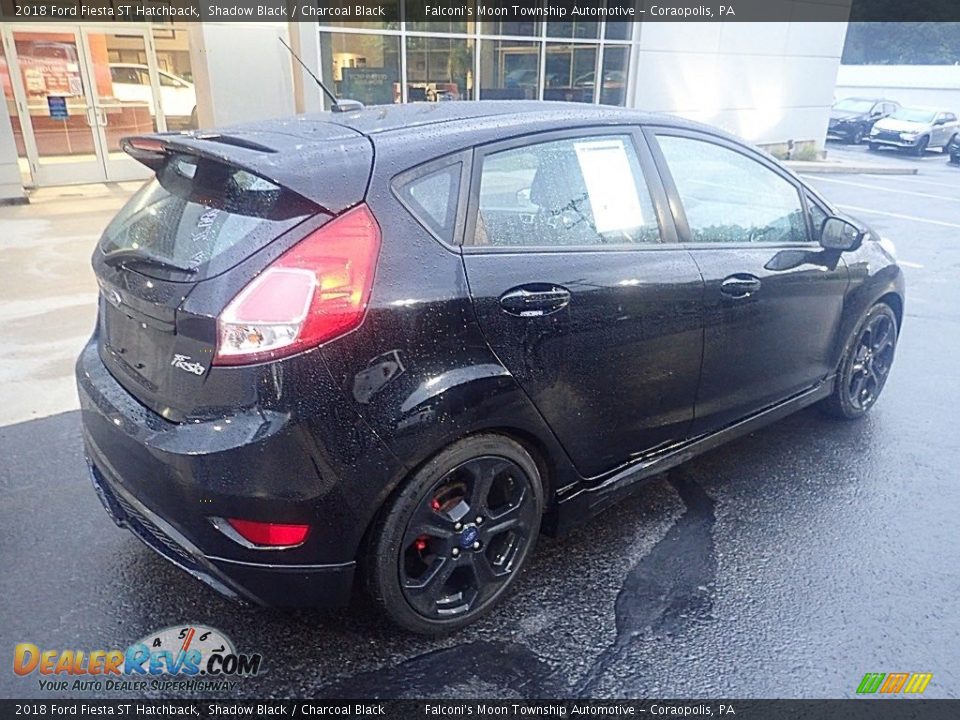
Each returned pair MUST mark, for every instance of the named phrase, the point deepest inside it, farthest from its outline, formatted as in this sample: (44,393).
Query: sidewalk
(832,166)
(49,294)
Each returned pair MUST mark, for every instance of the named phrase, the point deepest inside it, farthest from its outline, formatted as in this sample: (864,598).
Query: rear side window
(575,192)
(433,198)
(729,197)
(205,215)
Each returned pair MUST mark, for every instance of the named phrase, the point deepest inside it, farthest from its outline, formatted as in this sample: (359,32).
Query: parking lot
(786,564)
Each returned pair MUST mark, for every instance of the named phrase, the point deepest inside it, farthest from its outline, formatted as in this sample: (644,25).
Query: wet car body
(604,392)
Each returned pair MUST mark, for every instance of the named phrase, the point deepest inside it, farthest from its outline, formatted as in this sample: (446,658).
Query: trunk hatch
(207,210)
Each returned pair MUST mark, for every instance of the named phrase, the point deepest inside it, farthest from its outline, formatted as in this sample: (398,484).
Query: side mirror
(839,234)
(940,121)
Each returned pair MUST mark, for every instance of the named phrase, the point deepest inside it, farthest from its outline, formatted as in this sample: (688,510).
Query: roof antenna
(343,105)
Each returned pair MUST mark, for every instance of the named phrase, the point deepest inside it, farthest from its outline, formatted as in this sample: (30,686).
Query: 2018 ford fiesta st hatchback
(392,345)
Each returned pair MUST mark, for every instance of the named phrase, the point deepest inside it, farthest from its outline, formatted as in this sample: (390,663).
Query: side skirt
(590,501)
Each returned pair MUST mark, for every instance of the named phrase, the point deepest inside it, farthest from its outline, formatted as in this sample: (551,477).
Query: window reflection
(439,69)
(391,10)
(11,108)
(362,67)
(510,28)
(447,24)
(570,73)
(576,29)
(613,91)
(509,70)
(439,60)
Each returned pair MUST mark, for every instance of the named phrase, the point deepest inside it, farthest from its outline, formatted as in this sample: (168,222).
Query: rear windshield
(203,214)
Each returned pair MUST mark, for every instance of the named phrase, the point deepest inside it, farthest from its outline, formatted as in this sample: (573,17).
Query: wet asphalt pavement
(786,564)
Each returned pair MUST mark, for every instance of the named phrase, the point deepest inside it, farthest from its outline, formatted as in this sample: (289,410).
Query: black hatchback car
(392,345)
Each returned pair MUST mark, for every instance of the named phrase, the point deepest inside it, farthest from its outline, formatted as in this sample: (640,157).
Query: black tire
(873,147)
(867,359)
(857,137)
(920,149)
(442,552)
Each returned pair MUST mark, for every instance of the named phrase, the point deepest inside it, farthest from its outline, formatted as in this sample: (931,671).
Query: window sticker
(610,184)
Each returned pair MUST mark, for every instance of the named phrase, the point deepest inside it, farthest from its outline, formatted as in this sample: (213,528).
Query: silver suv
(916,129)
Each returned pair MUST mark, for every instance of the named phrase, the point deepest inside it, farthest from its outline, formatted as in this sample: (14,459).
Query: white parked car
(916,129)
(131,83)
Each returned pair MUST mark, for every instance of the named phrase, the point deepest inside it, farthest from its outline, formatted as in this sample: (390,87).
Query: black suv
(394,344)
(852,119)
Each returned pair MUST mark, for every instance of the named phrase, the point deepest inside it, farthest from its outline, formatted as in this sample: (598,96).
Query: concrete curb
(825,167)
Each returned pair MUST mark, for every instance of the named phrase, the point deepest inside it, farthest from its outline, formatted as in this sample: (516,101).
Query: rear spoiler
(327,172)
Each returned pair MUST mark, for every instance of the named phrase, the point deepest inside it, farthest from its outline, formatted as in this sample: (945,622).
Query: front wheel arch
(896,304)
(856,366)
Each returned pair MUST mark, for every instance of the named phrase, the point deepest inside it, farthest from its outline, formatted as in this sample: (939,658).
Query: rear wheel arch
(379,539)
(531,444)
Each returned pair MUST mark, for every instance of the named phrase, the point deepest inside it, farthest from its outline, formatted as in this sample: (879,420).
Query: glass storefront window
(11,107)
(618,31)
(616,60)
(50,67)
(391,10)
(361,67)
(615,30)
(510,28)
(509,70)
(457,57)
(177,93)
(570,72)
(450,23)
(121,83)
(439,69)
(575,29)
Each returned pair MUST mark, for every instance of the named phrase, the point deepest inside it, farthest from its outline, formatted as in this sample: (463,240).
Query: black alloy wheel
(921,147)
(866,365)
(457,536)
(857,136)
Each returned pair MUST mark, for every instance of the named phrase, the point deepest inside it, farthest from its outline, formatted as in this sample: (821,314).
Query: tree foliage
(902,43)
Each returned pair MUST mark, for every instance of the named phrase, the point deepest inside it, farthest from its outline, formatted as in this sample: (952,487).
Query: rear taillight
(316,291)
(268,534)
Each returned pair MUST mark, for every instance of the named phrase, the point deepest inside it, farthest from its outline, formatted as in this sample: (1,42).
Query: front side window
(729,197)
(573,192)
(817,216)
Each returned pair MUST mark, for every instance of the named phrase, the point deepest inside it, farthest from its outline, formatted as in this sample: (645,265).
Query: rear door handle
(534,300)
(740,285)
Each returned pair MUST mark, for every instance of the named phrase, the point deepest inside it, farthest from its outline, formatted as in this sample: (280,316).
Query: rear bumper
(165,481)
(840,133)
(244,582)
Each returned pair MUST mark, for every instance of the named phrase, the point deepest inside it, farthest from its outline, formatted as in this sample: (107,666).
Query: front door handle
(741,285)
(534,300)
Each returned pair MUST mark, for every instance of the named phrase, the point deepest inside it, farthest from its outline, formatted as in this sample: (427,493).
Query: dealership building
(72,91)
